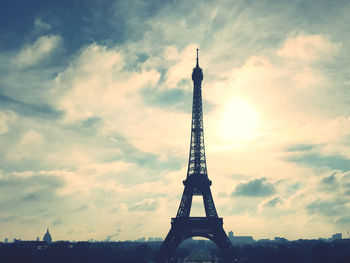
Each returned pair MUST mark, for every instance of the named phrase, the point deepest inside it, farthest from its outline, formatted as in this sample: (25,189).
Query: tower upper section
(197,74)
(197,163)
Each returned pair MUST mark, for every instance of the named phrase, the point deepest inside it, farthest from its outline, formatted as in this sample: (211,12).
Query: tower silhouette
(197,183)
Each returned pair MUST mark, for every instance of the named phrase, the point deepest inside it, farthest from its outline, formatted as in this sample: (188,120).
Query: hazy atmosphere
(95,116)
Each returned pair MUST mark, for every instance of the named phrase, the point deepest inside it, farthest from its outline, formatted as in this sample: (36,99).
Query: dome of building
(47,237)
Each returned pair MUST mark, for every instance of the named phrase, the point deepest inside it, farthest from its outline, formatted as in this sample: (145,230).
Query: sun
(239,121)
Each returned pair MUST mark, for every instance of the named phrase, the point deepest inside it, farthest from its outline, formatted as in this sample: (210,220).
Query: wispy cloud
(40,49)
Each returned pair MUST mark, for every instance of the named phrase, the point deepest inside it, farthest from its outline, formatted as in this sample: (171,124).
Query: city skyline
(235,239)
(95,116)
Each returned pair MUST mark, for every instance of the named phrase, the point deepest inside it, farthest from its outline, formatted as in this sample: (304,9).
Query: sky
(95,114)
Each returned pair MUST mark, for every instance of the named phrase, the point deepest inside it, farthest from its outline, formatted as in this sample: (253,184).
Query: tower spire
(197,59)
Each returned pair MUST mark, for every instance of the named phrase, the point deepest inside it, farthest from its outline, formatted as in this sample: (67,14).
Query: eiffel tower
(197,183)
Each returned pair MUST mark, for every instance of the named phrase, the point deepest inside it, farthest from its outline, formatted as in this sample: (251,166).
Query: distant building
(240,239)
(230,235)
(154,239)
(280,239)
(37,239)
(47,237)
(264,240)
(337,236)
(142,239)
(6,240)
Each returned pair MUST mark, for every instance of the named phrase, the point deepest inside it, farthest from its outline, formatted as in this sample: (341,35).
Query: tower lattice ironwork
(197,183)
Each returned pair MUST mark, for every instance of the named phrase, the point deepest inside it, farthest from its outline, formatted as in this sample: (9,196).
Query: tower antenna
(197,58)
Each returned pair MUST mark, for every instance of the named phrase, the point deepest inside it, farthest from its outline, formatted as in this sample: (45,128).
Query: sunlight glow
(239,121)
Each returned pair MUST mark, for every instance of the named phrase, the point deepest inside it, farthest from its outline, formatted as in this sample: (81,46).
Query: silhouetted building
(240,239)
(154,239)
(37,239)
(6,240)
(280,239)
(337,236)
(230,235)
(264,240)
(47,237)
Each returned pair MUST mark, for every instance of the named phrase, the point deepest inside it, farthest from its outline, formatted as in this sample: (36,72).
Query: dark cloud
(27,109)
(335,162)
(16,193)
(291,189)
(145,206)
(177,99)
(329,179)
(329,183)
(32,197)
(345,219)
(273,202)
(329,207)
(300,147)
(255,188)
(88,127)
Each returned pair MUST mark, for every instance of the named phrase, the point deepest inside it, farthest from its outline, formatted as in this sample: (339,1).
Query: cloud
(7,118)
(181,70)
(6,218)
(57,222)
(334,162)
(29,109)
(273,202)
(105,86)
(24,149)
(28,197)
(146,205)
(32,197)
(255,188)
(330,200)
(81,208)
(343,220)
(328,207)
(308,47)
(39,24)
(330,182)
(175,98)
(300,148)
(41,48)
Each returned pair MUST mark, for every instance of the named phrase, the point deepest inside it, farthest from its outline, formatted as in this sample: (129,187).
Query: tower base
(187,227)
